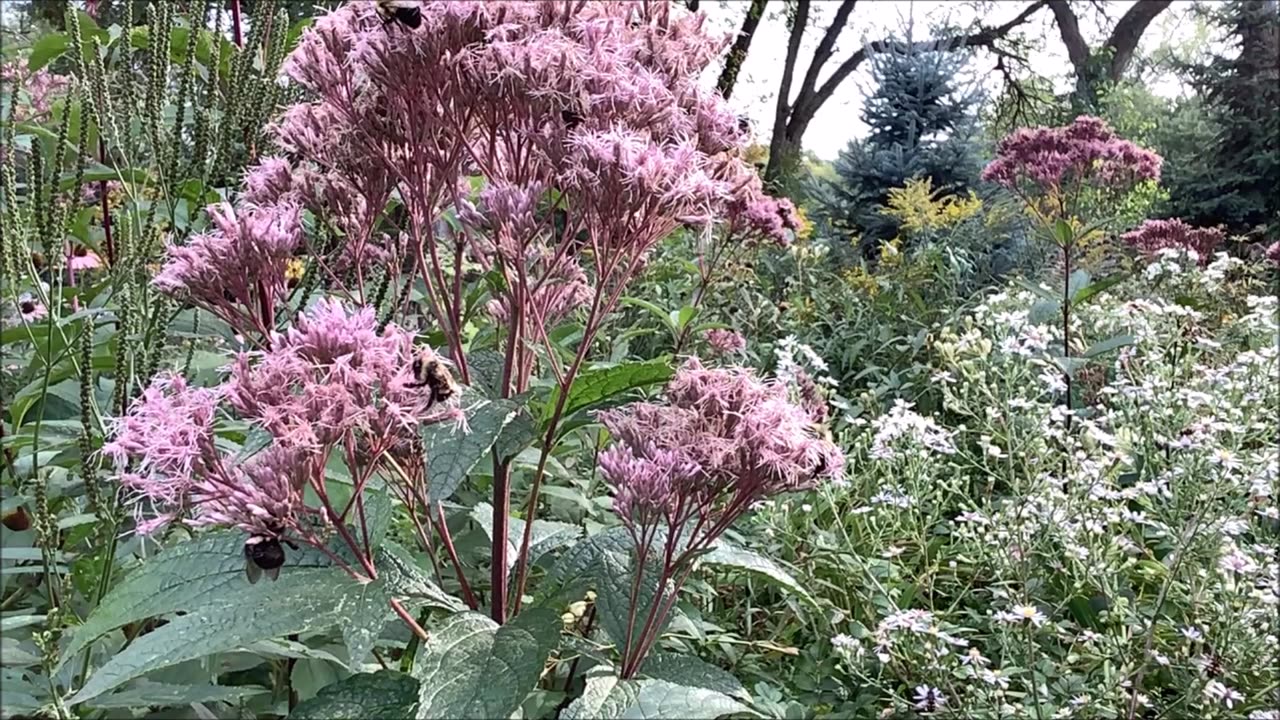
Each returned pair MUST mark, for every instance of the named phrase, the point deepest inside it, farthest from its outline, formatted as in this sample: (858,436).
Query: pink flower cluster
(42,88)
(333,377)
(1156,235)
(723,440)
(1272,254)
(757,217)
(725,342)
(331,382)
(237,270)
(1084,153)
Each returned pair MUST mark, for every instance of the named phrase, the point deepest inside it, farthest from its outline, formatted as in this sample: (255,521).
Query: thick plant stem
(236,34)
(501,524)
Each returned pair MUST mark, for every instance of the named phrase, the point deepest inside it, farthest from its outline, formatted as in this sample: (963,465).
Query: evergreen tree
(923,124)
(1234,180)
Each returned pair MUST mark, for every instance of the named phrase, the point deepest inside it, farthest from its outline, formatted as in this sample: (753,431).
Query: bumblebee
(405,12)
(263,555)
(431,373)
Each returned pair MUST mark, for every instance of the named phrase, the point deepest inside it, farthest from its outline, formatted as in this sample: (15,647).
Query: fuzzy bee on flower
(407,13)
(430,372)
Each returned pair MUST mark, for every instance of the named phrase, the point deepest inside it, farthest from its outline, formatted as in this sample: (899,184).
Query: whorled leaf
(385,695)
(451,451)
(473,668)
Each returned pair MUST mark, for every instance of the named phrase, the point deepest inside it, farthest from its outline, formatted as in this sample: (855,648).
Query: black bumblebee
(431,373)
(263,555)
(405,12)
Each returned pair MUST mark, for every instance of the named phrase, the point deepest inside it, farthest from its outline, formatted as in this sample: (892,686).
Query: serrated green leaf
(650,700)
(183,577)
(302,601)
(153,694)
(485,367)
(516,435)
(474,668)
(694,672)
(725,554)
(547,535)
(385,695)
(452,451)
(597,385)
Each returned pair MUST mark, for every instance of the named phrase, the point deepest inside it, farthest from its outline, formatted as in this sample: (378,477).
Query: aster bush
(1016,558)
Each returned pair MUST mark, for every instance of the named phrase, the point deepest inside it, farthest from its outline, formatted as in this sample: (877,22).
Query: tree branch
(982,38)
(784,109)
(825,48)
(1126,34)
(741,44)
(1069,28)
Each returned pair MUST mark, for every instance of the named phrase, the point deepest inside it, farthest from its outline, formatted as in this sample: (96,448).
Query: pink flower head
(237,270)
(42,89)
(1155,235)
(1085,153)
(758,217)
(30,309)
(263,498)
(723,440)
(1273,254)
(332,377)
(725,342)
(82,258)
(168,436)
(270,181)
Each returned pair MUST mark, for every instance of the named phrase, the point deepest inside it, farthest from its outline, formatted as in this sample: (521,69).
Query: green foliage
(922,125)
(384,694)
(473,667)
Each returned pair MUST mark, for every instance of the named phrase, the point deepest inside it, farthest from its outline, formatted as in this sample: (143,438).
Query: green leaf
(680,318)
(575,571)
(547,535)
(301,601)
(725,554)
(47,49)
(153,694)
(598,385)
(608,698)
(452,452)
(1078,281)
(205,578)
(516,435)
(1105,346)
(472,667)
(386,695)
(691,671)
(1042,292)
(667,319)
(485,367)
(183,577)
(1092,289)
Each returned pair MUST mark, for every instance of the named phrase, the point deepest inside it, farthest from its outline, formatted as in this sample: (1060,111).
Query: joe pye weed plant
(412,279)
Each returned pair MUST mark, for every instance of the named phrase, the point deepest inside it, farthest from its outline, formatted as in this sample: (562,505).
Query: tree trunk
(1128,32)
(741,44)
(779,145)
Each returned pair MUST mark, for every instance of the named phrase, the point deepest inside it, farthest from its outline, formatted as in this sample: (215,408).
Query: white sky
(838,120)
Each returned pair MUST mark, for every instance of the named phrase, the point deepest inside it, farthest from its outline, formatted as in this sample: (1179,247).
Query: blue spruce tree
(923,124)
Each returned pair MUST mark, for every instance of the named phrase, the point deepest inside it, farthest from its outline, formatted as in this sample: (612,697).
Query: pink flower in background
(1065,159)
(42,89)
(1273,253)
(82,258)
(725,342)
(1155,235)
(30,309)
